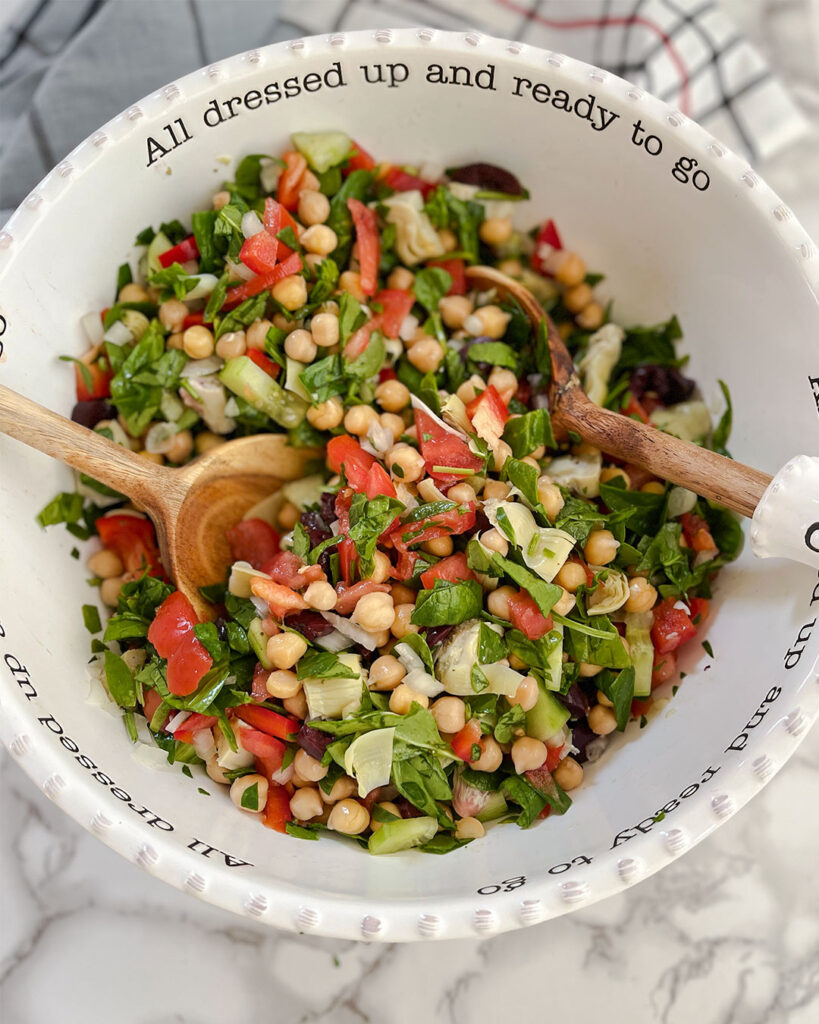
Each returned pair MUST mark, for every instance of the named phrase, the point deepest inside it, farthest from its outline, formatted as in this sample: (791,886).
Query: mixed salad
(459,604)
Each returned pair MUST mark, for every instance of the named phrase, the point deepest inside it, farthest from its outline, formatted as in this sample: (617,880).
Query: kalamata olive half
(90,413)
(487,177)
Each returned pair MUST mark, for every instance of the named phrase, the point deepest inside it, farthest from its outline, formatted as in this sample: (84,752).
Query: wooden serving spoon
(191,507)
(713,476)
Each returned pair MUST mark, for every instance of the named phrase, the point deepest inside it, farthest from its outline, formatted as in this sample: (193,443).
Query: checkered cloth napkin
(66,66)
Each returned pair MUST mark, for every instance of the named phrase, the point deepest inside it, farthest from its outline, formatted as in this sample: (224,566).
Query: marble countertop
(729,934)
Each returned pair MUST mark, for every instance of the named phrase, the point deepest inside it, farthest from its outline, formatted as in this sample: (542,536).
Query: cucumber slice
(496,807)
(641,650)
(396,836)
(546,718)
(258,641)
(322,150)
(160,243)
(250,382)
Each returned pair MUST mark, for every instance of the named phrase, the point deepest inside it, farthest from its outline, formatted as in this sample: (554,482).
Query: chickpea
(462,493)
(501,451)
(469,828)
(321,596)
(181,447)
(319,239)
(402,594)
(495,489)
(220,200)
(496,230)
(642,596)
(297,705)
(568,774)
(571,576)
(350,282)
(601,547)
(314,207)
(405,463)
(105,564)
(207,441)
(359,418)
(306,803)
(440,546)
(324,327)
(283,324)
(216,772)
(392,421)
(299,345)
(283,684)
(527,754)
(591,317)
(392,395)
(455,309)
(285,649)
(588,671)
(349,817)
(109,590)
(197,341)
(134,293)
(257,332)
(426,355)
(449,240)
(577,298)
(288,515)
(291,291)
(255,801)
(386,672)
(343,787)
(174,341)
(495,541)
(602,720)
(467,391)
(308,767)
(653,487)
(550,497)
(326,415)
(491,756)
(565,603)
(511,267)
(402,625)
(231,345)
(374,612)
(604,700)
(504,382)
(172,313)
(449,714)
(403,697)
(498,602)
(309,182)
(527,692)
(488,320)
(154,457)
(401,278)
(382,568)
(572,270)
(614,473)
(385,805)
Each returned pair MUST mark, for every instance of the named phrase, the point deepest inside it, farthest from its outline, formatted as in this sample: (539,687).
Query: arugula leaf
(519,791)
(431,285)
(369,362)
(647,511)
(491,646)
(208,636)
(324,379)
(124,276)
(545,595)
(437,208)
(350,316)
(203,223)
(496,353)
(486,782)
(619,689)
(509,723)
(369,518)
(91,618)
(140,598)
(448,604)
(466,217)
(429,394)
(454,369)
(607,651)
(65,508)
(216,299)
(119,680)
(428,510)
(302,831)
(174,281)
(444,842)
(243,315)
(720,436)
(323,665)
(524,477)
(356,186)
(525,433)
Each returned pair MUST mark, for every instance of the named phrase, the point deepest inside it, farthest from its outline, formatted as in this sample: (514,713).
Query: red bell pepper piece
(262,745)
(290,179)
(276,219)
(260,252)
(369,244)
(456,270)
(263,362)
(357,343)
(281,599)
(267,721)
(186,250)
(277,810)
(400,181)
(133,539)
(491,405)
(192,319)
(292,265)
(152,700)
(546,239)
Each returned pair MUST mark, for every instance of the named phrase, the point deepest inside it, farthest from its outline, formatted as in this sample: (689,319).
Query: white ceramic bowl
(728,258)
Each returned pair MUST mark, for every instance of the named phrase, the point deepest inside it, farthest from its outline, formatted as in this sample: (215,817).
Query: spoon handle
(714,476)
(78,446)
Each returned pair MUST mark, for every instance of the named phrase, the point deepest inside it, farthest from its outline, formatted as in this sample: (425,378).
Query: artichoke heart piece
(416,239)
(610,593)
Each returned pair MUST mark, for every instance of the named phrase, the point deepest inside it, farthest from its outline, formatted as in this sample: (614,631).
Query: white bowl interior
(718,258)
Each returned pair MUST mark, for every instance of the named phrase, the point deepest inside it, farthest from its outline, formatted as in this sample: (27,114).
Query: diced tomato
(133,539)
(345,453)
(258,689)
(276,219)
(193,724)
(100,382)
(152,700)
(547,810)
(524,391)
(405,566)
(465,740)
(264,362)
(365,221)
(396,305)
(672,626)
(634,410)
(261,744)
(697,532)
(253,541)
(268,721)
(665,665)
(260,252)
(400,181)
(456,270)
(192,320)
(527,617)
(263,282)
(552,758)
(700,606)
(488,411)
(546,239)
(445,524)
(386,373)
(277,809)
(641,707)
(453,569)
(347,559)
(284,567)
(290,179)
(185,250)
(172,635)
(378,482)
(356,344)
(360,160)
(280,598)
(444,451)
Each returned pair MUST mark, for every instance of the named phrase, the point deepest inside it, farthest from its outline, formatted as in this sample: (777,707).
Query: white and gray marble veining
(729,934)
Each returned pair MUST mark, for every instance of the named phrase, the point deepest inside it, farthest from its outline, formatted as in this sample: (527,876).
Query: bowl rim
(355,917)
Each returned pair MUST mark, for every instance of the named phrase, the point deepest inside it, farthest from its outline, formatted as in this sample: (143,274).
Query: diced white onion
(251,225)
(334,642)
(352,630)
(159,439)
(177,720)
(92,325)
(283,775)
(409,325)
(418,404)
(118,334)
(238,270)
(261,606)
(204,744)
(205,283)
(201,367)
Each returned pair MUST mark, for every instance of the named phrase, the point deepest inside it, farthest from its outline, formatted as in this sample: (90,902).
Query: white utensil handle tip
(786,520)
